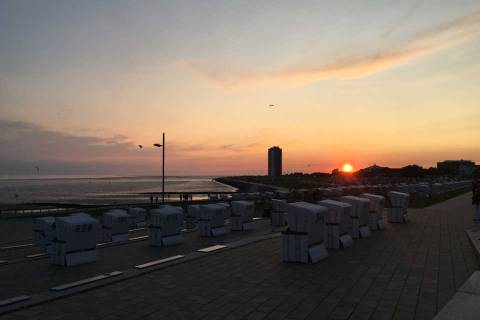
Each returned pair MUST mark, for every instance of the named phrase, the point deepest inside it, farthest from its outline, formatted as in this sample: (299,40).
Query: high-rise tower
(274,162)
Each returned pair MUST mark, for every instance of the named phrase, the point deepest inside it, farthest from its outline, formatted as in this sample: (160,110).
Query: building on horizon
(275,162)
(461,168)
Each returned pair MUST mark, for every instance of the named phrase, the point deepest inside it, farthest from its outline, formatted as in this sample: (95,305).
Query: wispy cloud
(179,148)
(182,147)
(22,139)
(397,23)
(25,145)
(237,147)
(352,66)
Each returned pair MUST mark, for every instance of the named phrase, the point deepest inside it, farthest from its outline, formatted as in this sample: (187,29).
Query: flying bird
(140,146)
(271,105)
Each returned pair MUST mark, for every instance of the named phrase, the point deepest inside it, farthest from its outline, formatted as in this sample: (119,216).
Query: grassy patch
(417,202)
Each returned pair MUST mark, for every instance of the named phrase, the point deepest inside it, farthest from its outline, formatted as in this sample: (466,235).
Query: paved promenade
(408,271)
(30,276)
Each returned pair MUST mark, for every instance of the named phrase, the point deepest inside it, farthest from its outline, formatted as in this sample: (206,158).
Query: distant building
(274,162)
(372,169)
(461,168)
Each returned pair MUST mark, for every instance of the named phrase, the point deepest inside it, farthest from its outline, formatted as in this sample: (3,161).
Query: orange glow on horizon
(347,167)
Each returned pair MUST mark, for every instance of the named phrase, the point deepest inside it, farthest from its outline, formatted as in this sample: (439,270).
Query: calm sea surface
(99,190)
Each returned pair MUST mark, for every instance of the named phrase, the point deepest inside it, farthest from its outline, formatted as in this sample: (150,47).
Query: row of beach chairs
(312,228)
(71,240)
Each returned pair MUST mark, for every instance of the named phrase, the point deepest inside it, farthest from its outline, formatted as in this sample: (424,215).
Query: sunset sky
(82,83)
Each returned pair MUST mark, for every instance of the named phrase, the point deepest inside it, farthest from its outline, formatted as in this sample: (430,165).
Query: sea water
(99,190)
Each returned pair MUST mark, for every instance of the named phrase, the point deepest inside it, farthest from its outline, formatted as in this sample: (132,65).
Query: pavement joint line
(15,241)
(22,260)
(13,300)
(157,262)
(32,244)
(36,255)
(112,243)
(49,296)
(189,230)
(138,238)
(18,246)
(119,243)
(212,248)
(79,283)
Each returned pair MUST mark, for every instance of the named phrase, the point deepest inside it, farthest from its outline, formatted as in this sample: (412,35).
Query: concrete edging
(465,304)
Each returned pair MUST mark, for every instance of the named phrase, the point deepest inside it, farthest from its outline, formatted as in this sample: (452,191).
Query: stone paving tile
(31,277)
(408,271)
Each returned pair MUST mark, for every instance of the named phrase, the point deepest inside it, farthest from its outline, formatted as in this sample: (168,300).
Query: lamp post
(163,164)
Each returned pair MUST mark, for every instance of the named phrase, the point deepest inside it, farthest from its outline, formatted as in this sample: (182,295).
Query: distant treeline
(412,171)
(371,175)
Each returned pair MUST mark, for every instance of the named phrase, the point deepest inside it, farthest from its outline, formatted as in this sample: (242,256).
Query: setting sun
(347,167)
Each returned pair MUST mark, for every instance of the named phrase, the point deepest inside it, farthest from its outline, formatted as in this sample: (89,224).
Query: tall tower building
(274,162)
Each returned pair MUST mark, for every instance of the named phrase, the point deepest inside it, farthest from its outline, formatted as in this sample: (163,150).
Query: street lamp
(163,164)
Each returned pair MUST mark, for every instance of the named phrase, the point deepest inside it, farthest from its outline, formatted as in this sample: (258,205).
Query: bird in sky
(140,146)
(271,105)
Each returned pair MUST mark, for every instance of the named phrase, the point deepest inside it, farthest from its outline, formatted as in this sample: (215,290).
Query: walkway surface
(408,271)
(27,276)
